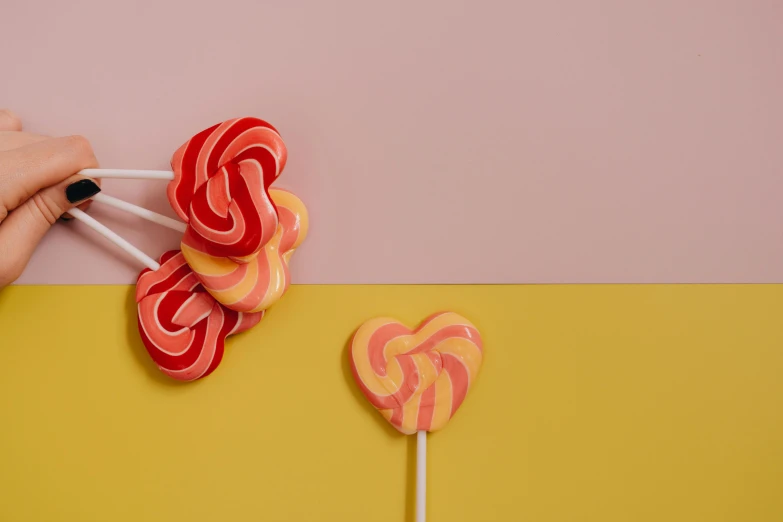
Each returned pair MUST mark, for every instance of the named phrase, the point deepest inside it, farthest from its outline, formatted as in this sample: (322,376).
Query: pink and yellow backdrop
(465,153)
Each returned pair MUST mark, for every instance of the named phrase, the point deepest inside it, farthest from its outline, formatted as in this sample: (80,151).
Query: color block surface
(595,403)
(447,141)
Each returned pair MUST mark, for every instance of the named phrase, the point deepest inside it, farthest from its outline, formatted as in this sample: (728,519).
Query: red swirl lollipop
(182,327)
(220,187)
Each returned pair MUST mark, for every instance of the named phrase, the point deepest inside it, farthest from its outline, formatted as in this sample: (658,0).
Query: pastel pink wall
(440,141)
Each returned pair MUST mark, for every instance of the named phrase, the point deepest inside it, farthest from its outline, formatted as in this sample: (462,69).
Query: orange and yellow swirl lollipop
(417,379)
(258,284)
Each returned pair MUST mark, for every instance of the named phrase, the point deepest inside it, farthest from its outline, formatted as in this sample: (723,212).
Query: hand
(37,186)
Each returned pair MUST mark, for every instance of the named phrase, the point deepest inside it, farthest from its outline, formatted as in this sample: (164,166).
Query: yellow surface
(595,403)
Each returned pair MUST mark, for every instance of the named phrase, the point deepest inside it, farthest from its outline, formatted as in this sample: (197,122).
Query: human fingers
(9,121)
(24,228)
(14,139)
(26,170)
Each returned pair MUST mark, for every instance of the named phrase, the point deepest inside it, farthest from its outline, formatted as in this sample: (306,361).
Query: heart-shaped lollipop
(182,327)
(220,187)
(417,379)
(257,285)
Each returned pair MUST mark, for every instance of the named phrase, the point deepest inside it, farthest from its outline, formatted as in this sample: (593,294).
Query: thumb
(27,224)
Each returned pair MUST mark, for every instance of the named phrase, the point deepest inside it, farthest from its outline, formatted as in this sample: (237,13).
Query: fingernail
(81,190)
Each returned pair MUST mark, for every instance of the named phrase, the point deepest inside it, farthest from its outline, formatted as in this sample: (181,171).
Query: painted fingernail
(81,190)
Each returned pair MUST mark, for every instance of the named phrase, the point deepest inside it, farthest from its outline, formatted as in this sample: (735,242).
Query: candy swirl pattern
(182,327)
(417,379)
(220,187)
(260,283)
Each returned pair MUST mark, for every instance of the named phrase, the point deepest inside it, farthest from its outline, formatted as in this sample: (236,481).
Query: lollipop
(182,326)
(257,285)
(219,186)
(221,178)
(417,379)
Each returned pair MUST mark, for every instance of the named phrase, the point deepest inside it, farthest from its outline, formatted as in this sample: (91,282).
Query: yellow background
(595,403)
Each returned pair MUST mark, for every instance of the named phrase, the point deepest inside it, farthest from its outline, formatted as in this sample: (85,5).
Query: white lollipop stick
(421,476)
(143,213)
(127,173)
(114,238)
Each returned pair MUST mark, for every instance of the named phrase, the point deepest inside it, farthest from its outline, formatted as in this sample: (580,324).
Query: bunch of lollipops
(238,238)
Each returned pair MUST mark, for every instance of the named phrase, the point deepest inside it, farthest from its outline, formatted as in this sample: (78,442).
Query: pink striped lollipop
(182,327)
(220,187)
(257,285)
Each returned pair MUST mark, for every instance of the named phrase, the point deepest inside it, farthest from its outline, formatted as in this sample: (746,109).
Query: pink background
(437,141)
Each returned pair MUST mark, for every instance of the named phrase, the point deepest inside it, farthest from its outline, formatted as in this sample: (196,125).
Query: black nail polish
(81,190)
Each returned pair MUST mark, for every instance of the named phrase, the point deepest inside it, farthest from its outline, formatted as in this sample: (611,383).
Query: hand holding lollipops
(238,238)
